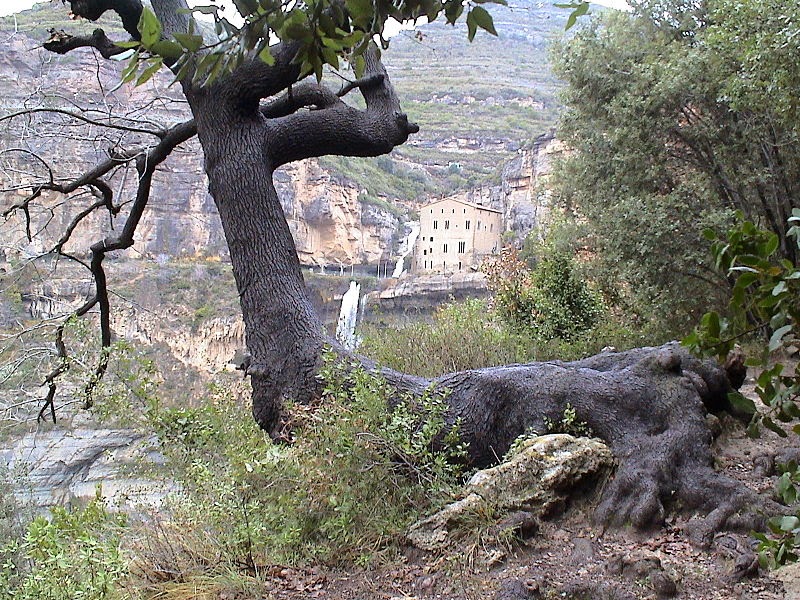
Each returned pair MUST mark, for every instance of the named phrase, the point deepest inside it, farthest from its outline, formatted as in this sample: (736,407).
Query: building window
(430,240)
(447,224)
(445,249)
(424,253)
(454,211)
(491,226)
(466,226)
(426,264)
(436,224)
(465,211)
(442,211)
(431,211)
(479,226)
(459,265)
(462,247)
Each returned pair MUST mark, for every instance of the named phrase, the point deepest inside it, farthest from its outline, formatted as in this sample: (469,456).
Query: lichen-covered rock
(536,478)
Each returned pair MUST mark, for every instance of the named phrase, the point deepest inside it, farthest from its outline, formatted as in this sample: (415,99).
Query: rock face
(423,293)
(59,466)
(537,479)
(331,226)
(526,197)
(209,348)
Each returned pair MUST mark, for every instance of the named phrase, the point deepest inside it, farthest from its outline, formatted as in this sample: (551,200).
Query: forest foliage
(679,114)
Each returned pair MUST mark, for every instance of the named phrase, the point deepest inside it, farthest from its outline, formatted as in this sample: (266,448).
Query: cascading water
(406,248)
(346,326)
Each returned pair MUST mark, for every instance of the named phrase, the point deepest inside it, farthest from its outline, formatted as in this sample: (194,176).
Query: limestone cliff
(527,198)
(330,225)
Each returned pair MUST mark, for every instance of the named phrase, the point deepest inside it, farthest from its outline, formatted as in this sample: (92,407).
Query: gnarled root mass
(651,405)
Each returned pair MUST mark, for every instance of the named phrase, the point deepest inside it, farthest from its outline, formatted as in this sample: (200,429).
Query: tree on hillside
(674,131)
(254,110)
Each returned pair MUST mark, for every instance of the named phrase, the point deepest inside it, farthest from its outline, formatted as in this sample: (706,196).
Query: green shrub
(354,478)
(463,335)
(73,554)
(765,298)
(552,301)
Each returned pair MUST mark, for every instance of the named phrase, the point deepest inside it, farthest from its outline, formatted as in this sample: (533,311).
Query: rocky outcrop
(537,479)
(331,226)
(423,293)
(59,466)
(526,197)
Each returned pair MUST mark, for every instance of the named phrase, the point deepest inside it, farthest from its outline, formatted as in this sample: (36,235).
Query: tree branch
(82,117)
(340,129)
(129,12)
(62,42)
(146,165)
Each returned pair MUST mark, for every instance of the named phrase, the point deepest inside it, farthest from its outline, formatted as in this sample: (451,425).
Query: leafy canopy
(323,31)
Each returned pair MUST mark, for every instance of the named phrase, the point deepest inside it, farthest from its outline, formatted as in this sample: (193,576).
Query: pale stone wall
(455,236)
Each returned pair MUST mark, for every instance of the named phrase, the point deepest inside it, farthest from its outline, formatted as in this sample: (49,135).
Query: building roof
(465,203)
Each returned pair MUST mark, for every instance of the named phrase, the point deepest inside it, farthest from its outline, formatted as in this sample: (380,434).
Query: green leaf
(128,44)
(246,7)
(359,66)
(130,70)
(192,43)
(741,403)
(769,247)
(266,56)
(746,279)
(167,49)
(483,19)
(149,27)
(472,26)
(774,427)
(205,9)
(579,11)
(789,522)
(777,337)
(155,65)
(453,10)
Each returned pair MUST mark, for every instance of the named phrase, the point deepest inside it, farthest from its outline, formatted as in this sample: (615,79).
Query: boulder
(537,478)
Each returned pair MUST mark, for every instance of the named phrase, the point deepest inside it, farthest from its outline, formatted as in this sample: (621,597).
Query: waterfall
(406,248)
(346,327)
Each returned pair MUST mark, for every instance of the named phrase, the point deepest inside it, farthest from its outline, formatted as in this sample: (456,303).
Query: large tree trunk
(651,405)
(284,335)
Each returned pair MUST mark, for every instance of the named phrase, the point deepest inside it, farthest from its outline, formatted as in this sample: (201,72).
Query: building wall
(455,236)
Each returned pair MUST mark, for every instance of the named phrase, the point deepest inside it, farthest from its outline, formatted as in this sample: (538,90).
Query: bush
(73,554)
(354,478)
(552,301)
(462,336)
(765,298)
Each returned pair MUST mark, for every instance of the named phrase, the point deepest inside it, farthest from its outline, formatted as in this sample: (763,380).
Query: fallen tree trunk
(651,405)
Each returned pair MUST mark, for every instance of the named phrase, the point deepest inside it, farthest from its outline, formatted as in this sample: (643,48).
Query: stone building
(456,235)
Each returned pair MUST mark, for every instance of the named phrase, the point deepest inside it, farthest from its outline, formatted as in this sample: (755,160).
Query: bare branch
(81,117)
(50,379)
(146,165)
(62,42)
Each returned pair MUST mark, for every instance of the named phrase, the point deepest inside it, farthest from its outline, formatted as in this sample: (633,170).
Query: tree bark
(651,405)
(284,335)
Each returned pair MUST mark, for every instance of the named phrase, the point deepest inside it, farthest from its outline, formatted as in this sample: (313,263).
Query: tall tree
(668,143)
(252,113)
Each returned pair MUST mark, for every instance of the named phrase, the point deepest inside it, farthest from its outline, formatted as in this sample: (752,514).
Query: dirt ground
(570,558)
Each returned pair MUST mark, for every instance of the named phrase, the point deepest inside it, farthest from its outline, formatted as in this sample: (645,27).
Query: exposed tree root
(650,405)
